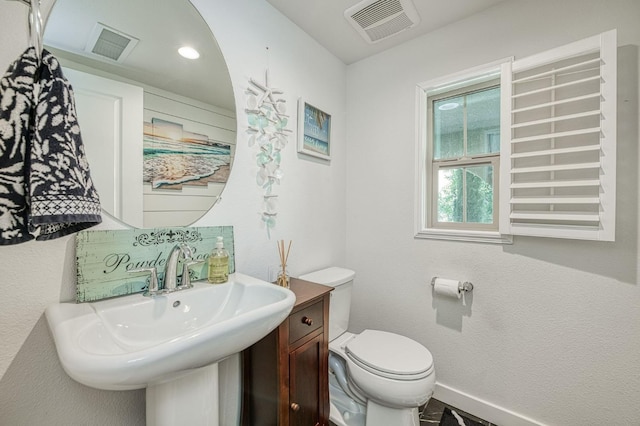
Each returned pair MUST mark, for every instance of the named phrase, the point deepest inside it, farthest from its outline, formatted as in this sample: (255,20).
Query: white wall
(552,330)
(34,389)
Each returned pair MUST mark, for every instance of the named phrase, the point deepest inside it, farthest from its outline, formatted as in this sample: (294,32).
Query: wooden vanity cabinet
(285,375)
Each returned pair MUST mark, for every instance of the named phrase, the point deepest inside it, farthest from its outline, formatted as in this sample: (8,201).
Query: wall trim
(481,408)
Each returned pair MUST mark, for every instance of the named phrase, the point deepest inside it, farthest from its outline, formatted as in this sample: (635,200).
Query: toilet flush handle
(307,320)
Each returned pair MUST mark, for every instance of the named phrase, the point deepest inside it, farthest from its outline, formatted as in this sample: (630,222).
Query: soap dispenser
(219,264)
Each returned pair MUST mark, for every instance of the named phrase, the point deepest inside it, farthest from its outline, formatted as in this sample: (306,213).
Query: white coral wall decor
(266,113)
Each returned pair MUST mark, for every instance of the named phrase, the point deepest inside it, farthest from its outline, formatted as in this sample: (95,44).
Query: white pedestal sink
(169,344)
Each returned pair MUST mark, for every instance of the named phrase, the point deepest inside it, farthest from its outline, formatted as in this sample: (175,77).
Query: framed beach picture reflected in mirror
(314,131)
(175,156)
(186,166)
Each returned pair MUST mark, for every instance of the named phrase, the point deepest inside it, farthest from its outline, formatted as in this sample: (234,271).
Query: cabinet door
(305,391)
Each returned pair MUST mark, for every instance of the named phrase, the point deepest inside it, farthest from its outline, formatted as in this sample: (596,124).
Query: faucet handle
(153,280)
(187,251)
(186,279)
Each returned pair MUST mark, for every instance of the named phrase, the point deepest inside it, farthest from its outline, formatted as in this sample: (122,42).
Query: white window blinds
(558,153)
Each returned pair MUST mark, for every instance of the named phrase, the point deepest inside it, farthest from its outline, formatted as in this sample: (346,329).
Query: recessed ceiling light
(189,52)
(448,106)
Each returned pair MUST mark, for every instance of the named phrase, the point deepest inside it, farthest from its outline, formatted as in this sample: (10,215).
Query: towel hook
(35,28)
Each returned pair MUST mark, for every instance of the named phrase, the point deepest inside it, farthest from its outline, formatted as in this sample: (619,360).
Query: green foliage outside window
(479,195)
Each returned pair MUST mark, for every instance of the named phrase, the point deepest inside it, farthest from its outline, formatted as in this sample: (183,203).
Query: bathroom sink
(132,342)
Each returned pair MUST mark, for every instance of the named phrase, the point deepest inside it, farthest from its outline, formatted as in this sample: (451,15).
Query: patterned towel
(45,186)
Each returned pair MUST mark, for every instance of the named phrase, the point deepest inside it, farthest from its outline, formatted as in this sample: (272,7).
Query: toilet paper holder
(462,286)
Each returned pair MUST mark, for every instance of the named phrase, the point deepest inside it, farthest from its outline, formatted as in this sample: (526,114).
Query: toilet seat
(390,355)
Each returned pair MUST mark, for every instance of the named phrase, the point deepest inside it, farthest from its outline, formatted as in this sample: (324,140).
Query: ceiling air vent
(376,20)
(110,43)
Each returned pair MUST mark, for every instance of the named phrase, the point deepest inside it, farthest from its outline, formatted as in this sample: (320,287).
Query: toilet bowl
(376,378)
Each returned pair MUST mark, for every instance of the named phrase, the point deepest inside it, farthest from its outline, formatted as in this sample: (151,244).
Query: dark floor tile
(432,413)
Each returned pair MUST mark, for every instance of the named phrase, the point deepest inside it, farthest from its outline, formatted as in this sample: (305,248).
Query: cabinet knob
(294,406)
(307,320)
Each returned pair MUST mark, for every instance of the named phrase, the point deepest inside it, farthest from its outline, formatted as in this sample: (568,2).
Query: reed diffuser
(283,276)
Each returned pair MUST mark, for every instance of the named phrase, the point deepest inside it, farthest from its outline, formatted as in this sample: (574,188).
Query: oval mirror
(159,128)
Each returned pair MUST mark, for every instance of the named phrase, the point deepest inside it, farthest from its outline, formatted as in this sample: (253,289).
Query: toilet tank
(342,281)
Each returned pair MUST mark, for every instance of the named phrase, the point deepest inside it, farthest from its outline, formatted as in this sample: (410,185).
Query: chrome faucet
(171,267)
(171,272)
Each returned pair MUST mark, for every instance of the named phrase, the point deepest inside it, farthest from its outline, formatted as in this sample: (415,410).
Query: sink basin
(133,342)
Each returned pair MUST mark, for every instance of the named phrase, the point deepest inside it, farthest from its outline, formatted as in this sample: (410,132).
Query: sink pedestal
(189,400)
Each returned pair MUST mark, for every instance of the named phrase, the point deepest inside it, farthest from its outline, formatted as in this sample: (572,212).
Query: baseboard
(480,408)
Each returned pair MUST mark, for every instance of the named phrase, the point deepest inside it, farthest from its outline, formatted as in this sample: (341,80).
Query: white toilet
(376,378)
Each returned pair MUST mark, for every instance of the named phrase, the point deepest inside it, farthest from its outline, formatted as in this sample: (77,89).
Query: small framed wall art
(314,131)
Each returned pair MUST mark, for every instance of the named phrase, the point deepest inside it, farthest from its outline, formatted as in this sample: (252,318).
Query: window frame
(426,226)
(492,159)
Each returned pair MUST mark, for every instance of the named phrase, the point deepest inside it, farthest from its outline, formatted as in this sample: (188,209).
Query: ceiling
(171,23)
(324,20)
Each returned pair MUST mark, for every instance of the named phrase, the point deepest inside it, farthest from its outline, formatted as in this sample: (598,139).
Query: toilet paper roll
(447,288)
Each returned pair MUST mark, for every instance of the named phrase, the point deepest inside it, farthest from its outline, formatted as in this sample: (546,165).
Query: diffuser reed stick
(283,278)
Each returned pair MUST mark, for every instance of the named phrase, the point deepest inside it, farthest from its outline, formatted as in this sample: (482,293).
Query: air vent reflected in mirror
(110,43)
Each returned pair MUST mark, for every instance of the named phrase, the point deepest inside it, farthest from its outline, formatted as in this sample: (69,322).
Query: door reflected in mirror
(159,128)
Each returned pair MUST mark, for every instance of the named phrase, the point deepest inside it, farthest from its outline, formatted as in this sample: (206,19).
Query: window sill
(491,237)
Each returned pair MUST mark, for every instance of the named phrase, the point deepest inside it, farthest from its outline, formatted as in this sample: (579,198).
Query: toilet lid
(390,355)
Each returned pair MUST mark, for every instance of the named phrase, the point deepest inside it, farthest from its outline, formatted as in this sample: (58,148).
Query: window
(523,147)
(464,151)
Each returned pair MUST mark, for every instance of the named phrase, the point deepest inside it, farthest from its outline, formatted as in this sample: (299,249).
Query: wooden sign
(105,258)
